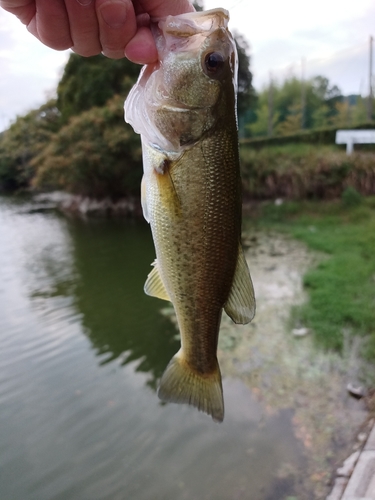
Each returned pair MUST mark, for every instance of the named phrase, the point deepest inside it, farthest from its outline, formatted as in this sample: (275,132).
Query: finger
(117,25)
(51,24)
(23,9)
(157,8)
(84,28)
(141,49)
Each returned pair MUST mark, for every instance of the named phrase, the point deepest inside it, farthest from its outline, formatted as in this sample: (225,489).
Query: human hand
(117,28)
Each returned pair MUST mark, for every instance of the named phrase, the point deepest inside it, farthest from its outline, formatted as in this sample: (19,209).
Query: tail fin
(181,384)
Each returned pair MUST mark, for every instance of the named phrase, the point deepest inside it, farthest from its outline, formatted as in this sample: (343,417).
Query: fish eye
(213,62)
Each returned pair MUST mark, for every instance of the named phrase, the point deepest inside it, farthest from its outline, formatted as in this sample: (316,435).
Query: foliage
(318,136)
(341,297)
(295,105)
(25,138)
(350,197)
(246,94)
(96,154)
(349,112)
(302,171)
(92,81)
(87,154)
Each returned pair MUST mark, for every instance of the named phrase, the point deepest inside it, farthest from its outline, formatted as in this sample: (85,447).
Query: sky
(326,37)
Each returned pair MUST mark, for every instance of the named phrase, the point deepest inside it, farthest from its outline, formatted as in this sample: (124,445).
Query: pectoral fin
(167,191)
(240,305)
(144,200)
(154,285)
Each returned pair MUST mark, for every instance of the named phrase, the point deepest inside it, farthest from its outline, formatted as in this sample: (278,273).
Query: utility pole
(369,109)
(303,93)
(270,107)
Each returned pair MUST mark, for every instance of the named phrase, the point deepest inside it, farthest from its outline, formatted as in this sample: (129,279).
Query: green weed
(341,287)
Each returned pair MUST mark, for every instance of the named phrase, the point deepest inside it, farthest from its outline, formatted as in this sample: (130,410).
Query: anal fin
(240,305)
(154,285)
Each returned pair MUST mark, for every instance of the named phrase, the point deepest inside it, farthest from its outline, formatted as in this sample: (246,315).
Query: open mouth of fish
(180,107)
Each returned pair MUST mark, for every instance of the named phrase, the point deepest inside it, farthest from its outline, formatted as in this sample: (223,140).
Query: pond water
(81,352)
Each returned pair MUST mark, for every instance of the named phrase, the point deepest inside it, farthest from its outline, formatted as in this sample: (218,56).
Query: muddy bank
(286,370)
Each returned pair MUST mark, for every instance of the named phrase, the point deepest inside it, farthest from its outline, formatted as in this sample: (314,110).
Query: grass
(342,287)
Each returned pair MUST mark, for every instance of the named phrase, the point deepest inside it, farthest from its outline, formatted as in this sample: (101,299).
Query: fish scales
(197,251)
(191,196)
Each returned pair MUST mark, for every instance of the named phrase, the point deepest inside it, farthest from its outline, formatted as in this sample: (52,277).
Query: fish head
(181,98)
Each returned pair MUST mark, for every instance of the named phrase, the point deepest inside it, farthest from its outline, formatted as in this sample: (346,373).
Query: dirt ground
(286,370)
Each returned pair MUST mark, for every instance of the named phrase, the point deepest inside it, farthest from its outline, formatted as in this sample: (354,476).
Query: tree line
(295,105)
(79,142)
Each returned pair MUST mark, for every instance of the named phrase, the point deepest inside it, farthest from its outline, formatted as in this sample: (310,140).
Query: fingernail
(114,14)
(84,2)
(143,20)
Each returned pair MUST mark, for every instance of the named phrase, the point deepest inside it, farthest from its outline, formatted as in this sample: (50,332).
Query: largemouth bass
(184,107)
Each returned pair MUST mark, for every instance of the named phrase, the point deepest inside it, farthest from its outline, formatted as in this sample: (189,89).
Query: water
(81,351)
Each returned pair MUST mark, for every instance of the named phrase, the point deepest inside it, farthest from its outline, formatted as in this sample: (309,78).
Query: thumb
(158,8)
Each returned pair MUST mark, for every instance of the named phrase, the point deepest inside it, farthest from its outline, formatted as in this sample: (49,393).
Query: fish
(184,108)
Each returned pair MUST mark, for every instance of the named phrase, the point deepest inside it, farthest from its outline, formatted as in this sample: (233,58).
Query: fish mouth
(192,23)
(180,107)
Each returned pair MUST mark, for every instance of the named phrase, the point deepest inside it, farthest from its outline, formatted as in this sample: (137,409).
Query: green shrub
(322,136)
(350,197)
(96,154)
(25,139)
(298,171)
(341,287)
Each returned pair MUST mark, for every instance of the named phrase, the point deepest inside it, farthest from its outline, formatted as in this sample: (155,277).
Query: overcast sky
(331,35)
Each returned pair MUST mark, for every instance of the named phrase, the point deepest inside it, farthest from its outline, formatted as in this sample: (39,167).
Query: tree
(327,95)
(95,154)
(292,122)
(320,116)
(259,127)
(359,111)
(92,81)
(246,94)
(26,138)
(314,100)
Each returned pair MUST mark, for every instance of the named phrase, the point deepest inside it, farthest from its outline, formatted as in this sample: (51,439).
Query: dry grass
(301,171)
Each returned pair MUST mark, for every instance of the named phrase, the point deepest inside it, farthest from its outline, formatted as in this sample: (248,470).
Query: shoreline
(84,206)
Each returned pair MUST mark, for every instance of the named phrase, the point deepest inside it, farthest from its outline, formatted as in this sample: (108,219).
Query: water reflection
(80,344)
(112,259)
(109,263)
(81,350)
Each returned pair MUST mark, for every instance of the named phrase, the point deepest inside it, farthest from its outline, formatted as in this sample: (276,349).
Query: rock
(362,436)
(300,332)
(356,391)
(361,485)
(348,466)
(84,206)
(338,489)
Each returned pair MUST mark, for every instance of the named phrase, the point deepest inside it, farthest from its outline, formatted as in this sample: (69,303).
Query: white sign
(350,137)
